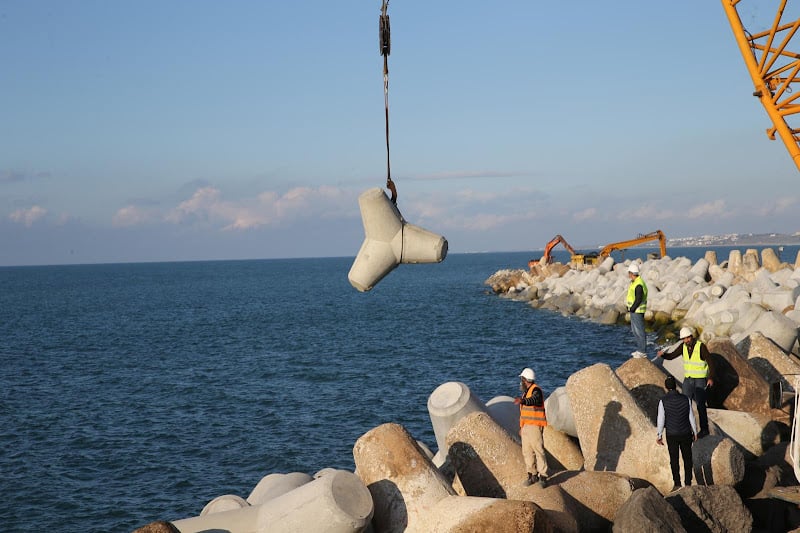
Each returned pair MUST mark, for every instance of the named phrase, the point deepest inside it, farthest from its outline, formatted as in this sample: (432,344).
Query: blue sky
(191,130)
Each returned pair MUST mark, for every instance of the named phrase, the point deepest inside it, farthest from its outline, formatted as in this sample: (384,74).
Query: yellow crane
(773,67)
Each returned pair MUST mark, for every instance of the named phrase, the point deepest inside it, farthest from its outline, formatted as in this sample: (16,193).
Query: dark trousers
(684,444)
(695,389)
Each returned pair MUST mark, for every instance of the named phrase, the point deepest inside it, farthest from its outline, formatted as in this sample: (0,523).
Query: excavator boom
(656,235)
(547,258)
(591,259)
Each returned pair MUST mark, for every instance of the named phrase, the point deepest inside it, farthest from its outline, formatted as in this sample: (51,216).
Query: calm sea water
(136,392)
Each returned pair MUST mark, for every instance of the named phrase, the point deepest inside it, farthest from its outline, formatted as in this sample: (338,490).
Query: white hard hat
(528,374)
(686,332)
(634,268)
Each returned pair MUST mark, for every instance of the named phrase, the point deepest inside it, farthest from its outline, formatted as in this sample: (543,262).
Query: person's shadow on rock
(614,431)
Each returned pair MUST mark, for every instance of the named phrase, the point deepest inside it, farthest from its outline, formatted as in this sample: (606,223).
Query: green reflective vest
(632,294)
(693,366)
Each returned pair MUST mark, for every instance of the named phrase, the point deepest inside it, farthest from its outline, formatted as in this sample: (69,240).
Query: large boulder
(614,433)
(486,460)
(411,495)
(713,509)
(464,513)
(717,461)
(563,451)
(645,381)
(404,484)
(598,495)
(770,360)
(647,510)
(737,386)
(754,432)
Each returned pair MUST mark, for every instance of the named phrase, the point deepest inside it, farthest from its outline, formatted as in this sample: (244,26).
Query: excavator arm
(656,235)
(773,68)
(547,258)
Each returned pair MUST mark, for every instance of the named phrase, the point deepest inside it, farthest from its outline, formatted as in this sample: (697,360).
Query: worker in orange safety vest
(532,421)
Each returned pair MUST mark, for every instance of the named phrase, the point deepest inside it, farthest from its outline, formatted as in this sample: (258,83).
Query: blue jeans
(637,327)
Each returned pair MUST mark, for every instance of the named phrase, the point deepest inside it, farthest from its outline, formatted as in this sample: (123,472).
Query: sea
(131,393)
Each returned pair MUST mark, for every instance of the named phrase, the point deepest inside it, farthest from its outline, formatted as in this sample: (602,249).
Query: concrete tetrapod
(505,412)
(769,360)
(336,503)
(620,437)
(645,381)
(559,412)
(411,494)
(389,240)
(226,502)
(737,385)
(614,433)
(754,432)
(488,463)
(274,485)
(779,328)
(448,404)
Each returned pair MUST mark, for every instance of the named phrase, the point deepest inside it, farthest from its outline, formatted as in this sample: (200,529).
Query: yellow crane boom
(773,68)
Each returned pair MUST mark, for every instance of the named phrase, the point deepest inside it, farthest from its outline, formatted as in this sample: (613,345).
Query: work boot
(530,481)
(543,481)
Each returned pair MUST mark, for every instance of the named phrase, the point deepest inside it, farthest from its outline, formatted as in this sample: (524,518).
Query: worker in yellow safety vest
(532,420)
(636,304)
(698,372)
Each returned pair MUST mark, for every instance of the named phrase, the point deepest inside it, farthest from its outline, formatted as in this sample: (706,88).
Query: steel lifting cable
(385,45)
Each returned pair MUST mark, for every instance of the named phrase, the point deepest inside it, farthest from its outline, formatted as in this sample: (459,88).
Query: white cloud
(586,214)
(28,216)
(781,205)
(717,207)
(784,203)
(131,215)
(268,208)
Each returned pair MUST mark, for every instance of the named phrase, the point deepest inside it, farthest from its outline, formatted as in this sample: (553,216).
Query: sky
(204,130)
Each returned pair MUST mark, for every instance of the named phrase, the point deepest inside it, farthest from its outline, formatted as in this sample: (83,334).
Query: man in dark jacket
(676,415)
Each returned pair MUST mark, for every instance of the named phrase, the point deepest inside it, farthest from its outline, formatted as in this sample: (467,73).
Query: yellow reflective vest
(693,366)
(530,414)
(632,294)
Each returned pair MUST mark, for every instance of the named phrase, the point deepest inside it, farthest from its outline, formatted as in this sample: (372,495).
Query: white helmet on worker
(528,374)
(686,332)
(634,269)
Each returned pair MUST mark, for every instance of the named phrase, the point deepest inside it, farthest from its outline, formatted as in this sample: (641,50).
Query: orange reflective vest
(530,414)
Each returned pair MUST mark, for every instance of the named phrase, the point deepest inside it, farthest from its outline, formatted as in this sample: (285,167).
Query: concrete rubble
(608,473)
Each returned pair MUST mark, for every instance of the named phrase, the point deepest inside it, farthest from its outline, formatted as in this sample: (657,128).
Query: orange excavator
(547,258)
(591,259)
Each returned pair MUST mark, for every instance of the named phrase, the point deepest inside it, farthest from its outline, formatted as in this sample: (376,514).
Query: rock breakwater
(610,474)
(743,294)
